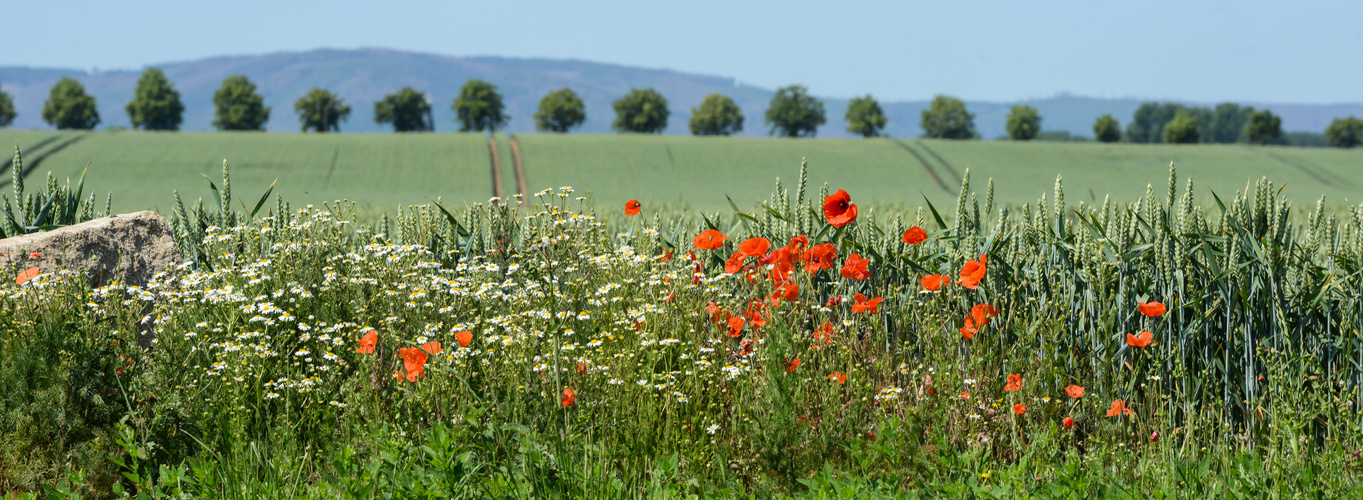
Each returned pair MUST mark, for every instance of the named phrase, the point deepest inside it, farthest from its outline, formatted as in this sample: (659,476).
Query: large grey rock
(93,247)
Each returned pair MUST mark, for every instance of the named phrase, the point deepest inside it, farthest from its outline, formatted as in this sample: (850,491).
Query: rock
(93,247)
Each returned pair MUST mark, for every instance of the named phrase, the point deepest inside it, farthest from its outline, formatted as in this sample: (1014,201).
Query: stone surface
(93,247)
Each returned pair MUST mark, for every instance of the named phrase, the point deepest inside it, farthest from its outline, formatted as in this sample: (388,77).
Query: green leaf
(937,217)
(263,197)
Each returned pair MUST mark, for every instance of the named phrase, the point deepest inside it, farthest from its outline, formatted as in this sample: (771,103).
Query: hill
(366,75)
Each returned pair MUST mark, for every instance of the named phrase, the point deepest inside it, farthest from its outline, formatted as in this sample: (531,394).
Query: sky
(1306,51)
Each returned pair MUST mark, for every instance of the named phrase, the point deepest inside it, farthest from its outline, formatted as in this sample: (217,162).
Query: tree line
(793,112)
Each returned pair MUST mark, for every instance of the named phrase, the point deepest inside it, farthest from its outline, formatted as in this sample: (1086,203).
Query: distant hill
(366,75)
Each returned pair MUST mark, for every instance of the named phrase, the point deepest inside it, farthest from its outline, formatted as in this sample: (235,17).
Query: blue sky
(1253,51)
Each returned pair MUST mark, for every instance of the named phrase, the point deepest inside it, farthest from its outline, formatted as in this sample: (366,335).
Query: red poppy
(1141,340)
(1154,436)
(787,291)
(798,244)
(972,273)
(754,314)
(755,247)
(866,305)
(982,313)
(792,365)
(1118,408)
(715,311)
(568,396)
(736,327)
(582,367)
(413,362)
(1074,391)
(821,256)
(1019,409)
(735,263)
(666,255)
(915,235)
(780,271)
(367,342)
(35,256)
(824,333)
(855,268)
(1151,309)
(838,209)
(1068,423)
(965,394)
(745,347)
(934,282)
(432,347)
(26,275)
(838,378)
(709,240)
(969,329)
(1014,383)
(632,207)
(463,338)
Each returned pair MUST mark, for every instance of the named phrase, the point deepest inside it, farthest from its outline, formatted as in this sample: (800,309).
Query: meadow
(799,345)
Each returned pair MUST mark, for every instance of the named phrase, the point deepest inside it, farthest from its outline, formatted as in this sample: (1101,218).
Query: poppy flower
(463,338)
(821,257)
(792,365)
(1142,339)
(981,313)
(1151,309)
(745,347)
(965,394)
(1019,409)
(736,327)
(824,333)
(755,247)
(838,378)
(969,329)
(709,240)
(780,271)
(855,268)
(866,305)
(787,291)
(735,263)
(935,282)
(754,314)
(432,347)
(413,362)
(1118,408)
(568,396)
(632,207)
(26,275)
(1154,436)
(581,367)
(1068,423)
(839,209)
(915,235)
(35,256)
(1014,383)
(666,255)
(1074,391)
(973,272)
(367,342)
(798,244)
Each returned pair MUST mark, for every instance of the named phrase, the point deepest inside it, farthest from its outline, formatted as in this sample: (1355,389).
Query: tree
(479,107)
(1182,129)
(560,111)
(1263,127)
(321,111)
(794,113)
(717,115)
(865,117)
(238,106)
(1024,122)
(640,111)
(1226,124)
(7,113)
(406,109)
(1106,129)
(947,118)
(1147,125)
(156,104)
(68,107)
(1345,132)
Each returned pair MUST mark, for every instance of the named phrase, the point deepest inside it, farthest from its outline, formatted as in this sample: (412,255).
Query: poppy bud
(1154,436)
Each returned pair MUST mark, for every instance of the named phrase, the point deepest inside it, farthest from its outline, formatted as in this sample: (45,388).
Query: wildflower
(367,342)
(855,268)
(709,239)
(581,367)
(968,330)
(1118,408)
(413,362)
(915,235)
(982,313)
(568,396)
(712,428)
(866,305)
(838,377)
(432,347)
(735,262)
(755,247)
(787,290)
(965,394)
(1141,340)
(1068,423)
(736,327)
(1019,409)
(1074,391)
(934,282)
(1151,309)
(632,207)
(35,256)
(463,338)
(1154,436)
(824,333)
(792,365)
(838,209)
(1014,383)
(798,244)
(973,272)
(26,275)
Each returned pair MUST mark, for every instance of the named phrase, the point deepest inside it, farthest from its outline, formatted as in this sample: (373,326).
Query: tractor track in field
(38,160)
(496,167)
(945,164)
(1313,173)
(926,166)
(32,149)
(522,187)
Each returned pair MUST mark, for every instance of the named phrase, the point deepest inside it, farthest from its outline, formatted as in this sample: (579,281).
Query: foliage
(7,113)
(717,115)
(1183,129)
(865,118)
(1306,139)
(1060,136)
(237,105)
(1024,123)
(794,113)
(43,211)
(1263,127)
(947,118)
(1147,124)
(321,111)
(560,111)
(68,107)
(156,104)
(1225,124)
(1345,132)
(479,107)
(407,109)
(1106,129)
(640,111)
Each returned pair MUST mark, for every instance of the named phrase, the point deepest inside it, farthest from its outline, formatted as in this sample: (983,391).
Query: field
(384,171)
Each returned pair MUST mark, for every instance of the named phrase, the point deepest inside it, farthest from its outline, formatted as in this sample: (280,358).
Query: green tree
(321,111)
(640,111)
(156,104)
(1263,127)
(1345,132)
(407,109)
(68,107)
(1024,122)
(560,111)
(794,113)
(1147,124)
(1183,129)
(717,115)
(947,118)
(7,113)
(1106,129)
(237,106)
(479,107)
(865,117)
(1226,124)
